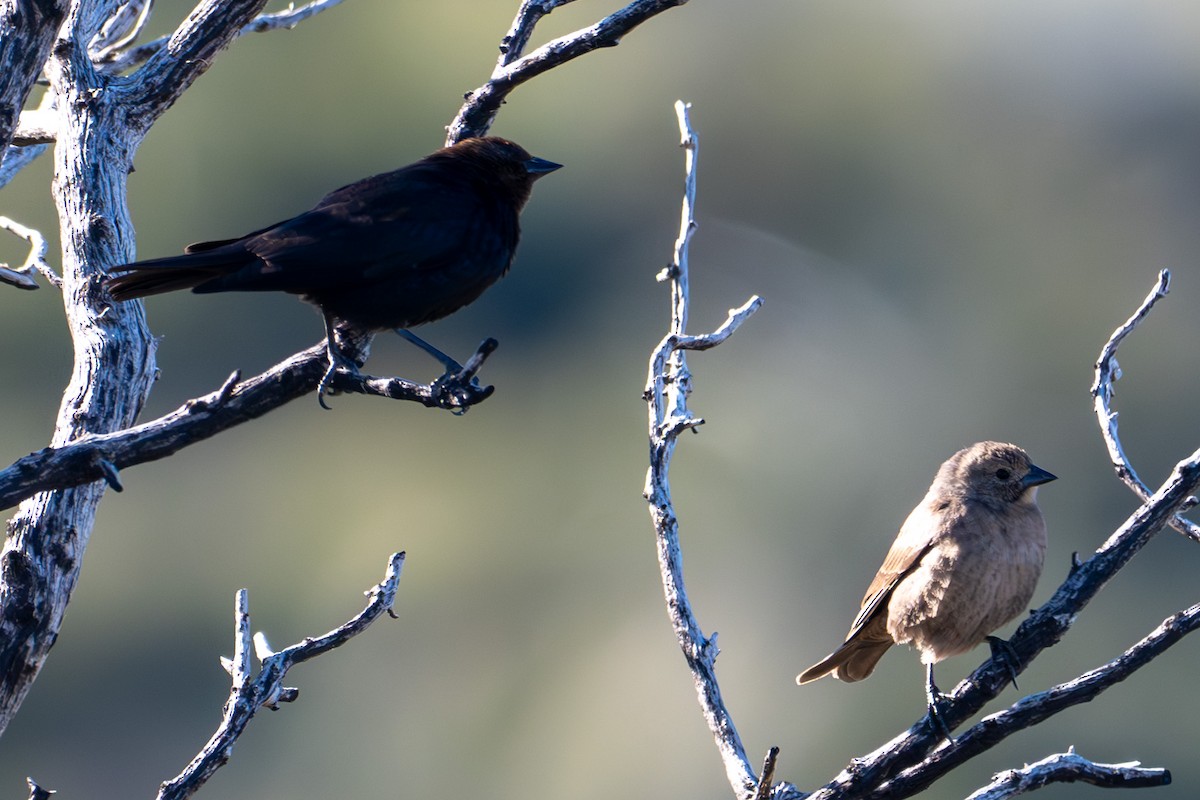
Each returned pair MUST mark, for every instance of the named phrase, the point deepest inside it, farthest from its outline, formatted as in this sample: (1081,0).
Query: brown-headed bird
(965,562)
(388,252)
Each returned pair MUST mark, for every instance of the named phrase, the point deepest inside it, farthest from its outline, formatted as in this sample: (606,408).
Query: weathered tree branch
(247,696)
(37,792)
(120,29)
(1070,768)
(1108,372)
(113,362)
(667,389)
(1040,706)
(94,457)
(187,55)
(124,57)
(22,277)
(27,30)
(513,69)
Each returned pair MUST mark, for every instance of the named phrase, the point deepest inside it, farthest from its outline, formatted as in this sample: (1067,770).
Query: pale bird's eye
(1003,474)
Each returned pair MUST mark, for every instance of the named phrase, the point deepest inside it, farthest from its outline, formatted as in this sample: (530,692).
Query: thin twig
(667,388)
(37,792)
(119,60)
(22,277)
(1108,372)
(247,696)
(120,29)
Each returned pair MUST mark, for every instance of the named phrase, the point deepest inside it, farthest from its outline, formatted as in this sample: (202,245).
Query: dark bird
(389,252)
(965,562)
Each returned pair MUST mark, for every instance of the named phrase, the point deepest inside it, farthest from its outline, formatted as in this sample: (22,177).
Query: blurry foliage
(947,209)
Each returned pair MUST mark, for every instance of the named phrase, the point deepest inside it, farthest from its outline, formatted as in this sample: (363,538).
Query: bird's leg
(452,366)
(935,700)
(336,359)
(1003,652)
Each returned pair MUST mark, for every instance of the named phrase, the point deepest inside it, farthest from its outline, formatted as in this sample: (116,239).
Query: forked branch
(249,693)
(667,389)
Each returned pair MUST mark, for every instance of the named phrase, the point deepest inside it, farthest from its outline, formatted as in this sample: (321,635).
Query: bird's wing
(401,222)
(913,541)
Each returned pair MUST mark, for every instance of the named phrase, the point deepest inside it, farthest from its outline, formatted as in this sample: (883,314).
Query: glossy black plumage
(391,251)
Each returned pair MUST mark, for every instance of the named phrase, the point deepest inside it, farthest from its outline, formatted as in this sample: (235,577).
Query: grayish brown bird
(391,251)
(965,562)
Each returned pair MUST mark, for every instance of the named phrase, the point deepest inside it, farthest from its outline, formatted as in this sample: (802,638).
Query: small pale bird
(965,562)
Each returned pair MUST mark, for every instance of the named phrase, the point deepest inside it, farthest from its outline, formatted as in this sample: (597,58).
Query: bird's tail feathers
(171,273)
(853,661)
(143,283)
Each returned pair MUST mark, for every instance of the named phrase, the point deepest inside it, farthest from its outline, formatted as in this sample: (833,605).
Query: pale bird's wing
(868,638)
(913,541)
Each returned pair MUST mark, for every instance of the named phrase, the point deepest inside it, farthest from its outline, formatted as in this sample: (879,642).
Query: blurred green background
(947,207)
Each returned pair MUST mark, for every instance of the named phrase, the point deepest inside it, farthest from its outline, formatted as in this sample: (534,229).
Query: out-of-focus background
(947,207)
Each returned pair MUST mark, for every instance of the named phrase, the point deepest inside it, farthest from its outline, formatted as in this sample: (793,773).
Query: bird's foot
(936,702)
(336,360)
(937,716)
(1003,652)
(457,391)
(458,387)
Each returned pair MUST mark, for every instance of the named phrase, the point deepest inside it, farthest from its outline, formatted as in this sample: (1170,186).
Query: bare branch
(1108,372)
(529,13)
(36,126)
(118,60)
(186,55)
(763,792)
(1070,768)
(120,29)
(29,28)
(16,159)
(22,277)
(479,111)
(93,457)
(666,394)
(1036,708)
(247,696)
(37,792)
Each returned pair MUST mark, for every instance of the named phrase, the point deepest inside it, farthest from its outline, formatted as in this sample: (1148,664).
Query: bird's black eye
(1003,474)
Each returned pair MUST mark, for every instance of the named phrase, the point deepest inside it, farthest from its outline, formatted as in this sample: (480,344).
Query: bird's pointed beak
(539,166)
(1037,476)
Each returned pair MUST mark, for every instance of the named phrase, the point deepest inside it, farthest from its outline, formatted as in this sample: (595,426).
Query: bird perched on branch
(965,562)
(388,252)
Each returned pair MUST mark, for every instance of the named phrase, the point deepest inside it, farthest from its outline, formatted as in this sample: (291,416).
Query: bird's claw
(936,702)
(1003,652)
(324,386)
(450,391)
